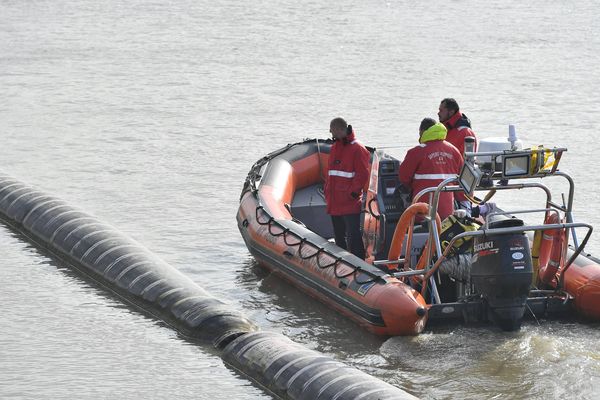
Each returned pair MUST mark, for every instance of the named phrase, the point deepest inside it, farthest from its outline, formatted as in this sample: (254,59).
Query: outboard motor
(501,272)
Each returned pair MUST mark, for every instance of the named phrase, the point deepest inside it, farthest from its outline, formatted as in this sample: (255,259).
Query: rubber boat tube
(126,268)
(582,281)
(377,301)
(119,263)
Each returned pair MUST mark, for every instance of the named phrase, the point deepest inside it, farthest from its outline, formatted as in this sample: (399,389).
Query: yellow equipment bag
(453,226)
(543,160)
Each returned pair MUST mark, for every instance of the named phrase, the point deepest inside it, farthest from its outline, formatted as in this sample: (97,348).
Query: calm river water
(148,115)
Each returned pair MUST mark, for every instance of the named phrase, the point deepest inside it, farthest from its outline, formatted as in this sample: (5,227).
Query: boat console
(390,200)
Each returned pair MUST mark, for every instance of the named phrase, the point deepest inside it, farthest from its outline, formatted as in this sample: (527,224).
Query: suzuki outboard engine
(501,272)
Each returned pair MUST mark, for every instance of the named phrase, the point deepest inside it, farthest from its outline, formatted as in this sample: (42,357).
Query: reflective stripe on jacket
(348,172)
(428,164)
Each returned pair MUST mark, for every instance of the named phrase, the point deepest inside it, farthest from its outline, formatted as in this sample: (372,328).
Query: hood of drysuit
(436,132)
(349,138)
(457,120)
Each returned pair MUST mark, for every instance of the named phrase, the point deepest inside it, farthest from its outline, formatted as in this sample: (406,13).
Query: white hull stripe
(343,174)
(434,176)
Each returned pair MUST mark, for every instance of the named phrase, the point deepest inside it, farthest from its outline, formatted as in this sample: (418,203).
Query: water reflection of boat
(515,270)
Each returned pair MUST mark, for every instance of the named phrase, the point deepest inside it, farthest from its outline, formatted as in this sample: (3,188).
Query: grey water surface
(149,114)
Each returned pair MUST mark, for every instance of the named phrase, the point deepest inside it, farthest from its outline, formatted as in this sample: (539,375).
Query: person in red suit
(431,162)
(457,123)
(345,185)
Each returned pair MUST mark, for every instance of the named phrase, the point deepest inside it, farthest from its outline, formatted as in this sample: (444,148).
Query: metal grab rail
(493,231)
(434,194)
(499,231)
(547,210)
(384,262)
(504,187)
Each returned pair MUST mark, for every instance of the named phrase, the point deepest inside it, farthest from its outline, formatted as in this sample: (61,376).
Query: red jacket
(347,176)
(459,127)
(428,164)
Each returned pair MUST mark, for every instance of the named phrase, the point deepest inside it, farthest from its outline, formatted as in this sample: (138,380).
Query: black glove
(354,195)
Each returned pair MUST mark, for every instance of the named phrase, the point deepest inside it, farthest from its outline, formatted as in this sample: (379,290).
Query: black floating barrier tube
(289,370)
(120,264)
(123,266)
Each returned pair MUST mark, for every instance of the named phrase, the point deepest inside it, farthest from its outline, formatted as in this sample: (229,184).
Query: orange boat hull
(377,301)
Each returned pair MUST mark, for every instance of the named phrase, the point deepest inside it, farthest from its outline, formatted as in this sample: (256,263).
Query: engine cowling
(501,272)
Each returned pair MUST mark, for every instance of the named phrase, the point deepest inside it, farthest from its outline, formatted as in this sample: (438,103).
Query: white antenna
(512,136)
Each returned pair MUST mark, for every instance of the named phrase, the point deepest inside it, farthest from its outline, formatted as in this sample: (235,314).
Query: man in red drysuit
(457,123)
(431,162)
(346,182)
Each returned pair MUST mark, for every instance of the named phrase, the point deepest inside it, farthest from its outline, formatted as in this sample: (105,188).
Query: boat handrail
(545,210)
(434,193)
(384,262)
(410,272)
(429,271)
(512,186)
(509,212)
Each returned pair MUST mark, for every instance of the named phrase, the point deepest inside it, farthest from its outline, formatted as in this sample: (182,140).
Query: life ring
(545,243)
(551,250)
(402,228)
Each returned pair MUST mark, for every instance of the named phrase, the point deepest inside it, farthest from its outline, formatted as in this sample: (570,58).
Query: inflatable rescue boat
(495,269)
